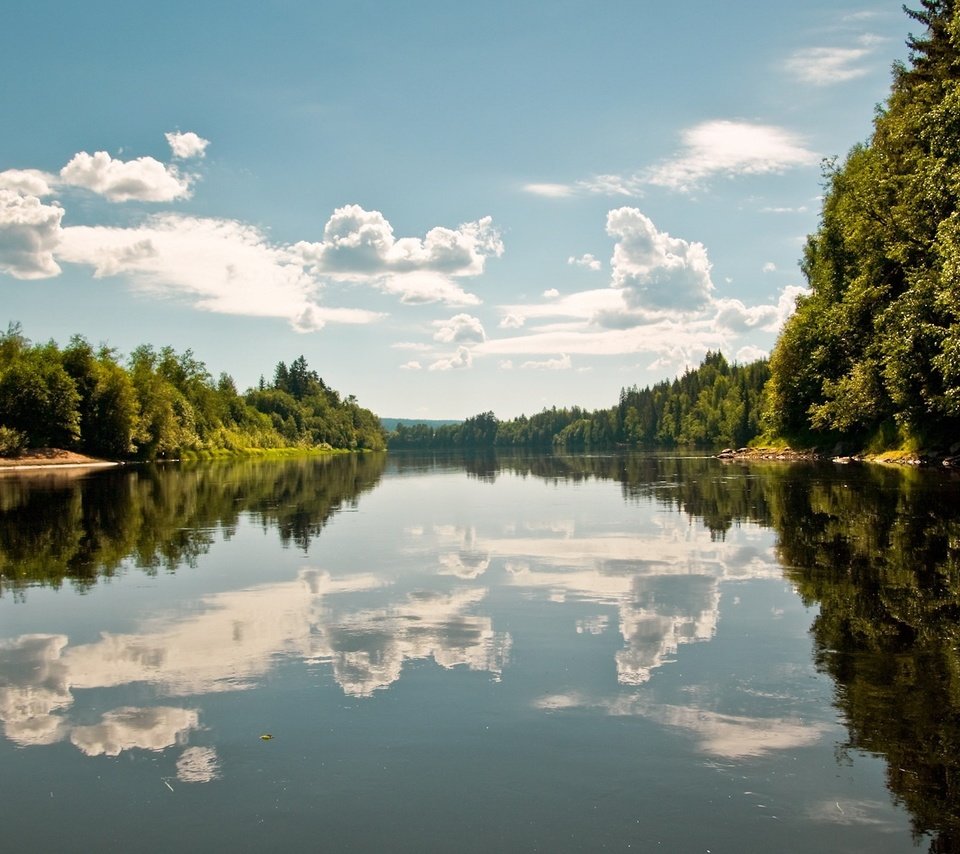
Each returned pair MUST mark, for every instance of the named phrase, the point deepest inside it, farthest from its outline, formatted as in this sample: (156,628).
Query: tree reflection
(60,525)
(881,558)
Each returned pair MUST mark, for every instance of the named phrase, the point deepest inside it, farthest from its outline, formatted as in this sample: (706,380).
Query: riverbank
(51,458)
(949,459)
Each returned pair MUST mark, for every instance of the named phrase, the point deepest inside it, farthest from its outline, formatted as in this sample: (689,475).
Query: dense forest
(872,354)
(716,404)
(161,404)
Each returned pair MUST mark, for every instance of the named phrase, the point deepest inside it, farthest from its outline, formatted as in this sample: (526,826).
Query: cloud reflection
(229,644)
(664,584)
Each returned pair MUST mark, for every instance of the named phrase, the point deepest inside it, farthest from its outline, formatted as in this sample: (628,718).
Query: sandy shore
(50,458)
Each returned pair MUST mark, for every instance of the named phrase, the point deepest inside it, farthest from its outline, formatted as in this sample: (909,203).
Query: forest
(715,404)
(872,354)
(160,404)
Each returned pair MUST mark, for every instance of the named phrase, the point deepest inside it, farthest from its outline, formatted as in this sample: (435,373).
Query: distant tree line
(160,403)
(716,404)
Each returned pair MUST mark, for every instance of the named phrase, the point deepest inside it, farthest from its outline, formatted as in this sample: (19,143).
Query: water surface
(499,653)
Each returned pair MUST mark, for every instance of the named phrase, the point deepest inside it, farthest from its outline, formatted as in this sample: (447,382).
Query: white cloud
(655,271)
(551,293)
(612,185)
(461,359)
(143,179)
(512,320)
(28,182)
(29,235)
(784,210)
(412,365)
(187,145)
(826,66)
(730,148)
(588,261)
(359,245)
(223,265)
(561,364)
(425,287)
(551,191)
(361,242)
(769,267)
(459,329)
(411,345)
(506,364)
(750,353)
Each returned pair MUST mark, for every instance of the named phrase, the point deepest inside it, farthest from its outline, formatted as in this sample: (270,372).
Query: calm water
(513,654)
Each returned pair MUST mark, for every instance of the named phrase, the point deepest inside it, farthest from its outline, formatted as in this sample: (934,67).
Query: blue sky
(446,207)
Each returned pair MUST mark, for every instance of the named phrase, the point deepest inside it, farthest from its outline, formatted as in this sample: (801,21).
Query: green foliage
(877,340)
(717,404)
(12,442)
(163,404)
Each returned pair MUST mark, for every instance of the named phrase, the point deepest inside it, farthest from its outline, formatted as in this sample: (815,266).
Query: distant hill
(390,424)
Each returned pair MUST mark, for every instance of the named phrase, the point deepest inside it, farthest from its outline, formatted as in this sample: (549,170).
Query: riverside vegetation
(163,404)
(869,361)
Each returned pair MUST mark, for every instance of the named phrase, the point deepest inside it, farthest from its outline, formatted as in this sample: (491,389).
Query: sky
(448,208)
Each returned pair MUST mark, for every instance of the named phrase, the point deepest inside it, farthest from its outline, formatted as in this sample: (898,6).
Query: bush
(12,442)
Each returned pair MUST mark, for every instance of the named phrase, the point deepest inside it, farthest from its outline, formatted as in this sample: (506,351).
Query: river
(512,653)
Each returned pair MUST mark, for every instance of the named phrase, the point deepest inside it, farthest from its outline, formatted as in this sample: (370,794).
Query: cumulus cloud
(561,364)
(29,234)
(28,182)
(187,145)
(222,265)
(512,320)
(461,359)
(358,241)
(459,329)
(144,179)
(769,267)
(359,245)
(551,293)
(412,365)
(655,271)
(729,148)
(588,261)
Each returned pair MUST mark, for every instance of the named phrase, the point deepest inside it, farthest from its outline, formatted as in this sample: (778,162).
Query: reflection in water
(57,525)
(228,646)
(880,555)
(726,736)
(876,551)
(665,585)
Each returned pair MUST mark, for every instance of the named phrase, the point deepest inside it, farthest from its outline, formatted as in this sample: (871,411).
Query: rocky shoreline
(950,459)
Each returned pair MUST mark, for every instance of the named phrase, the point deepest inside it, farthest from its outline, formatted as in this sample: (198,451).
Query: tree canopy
(872,354)
(164,404)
